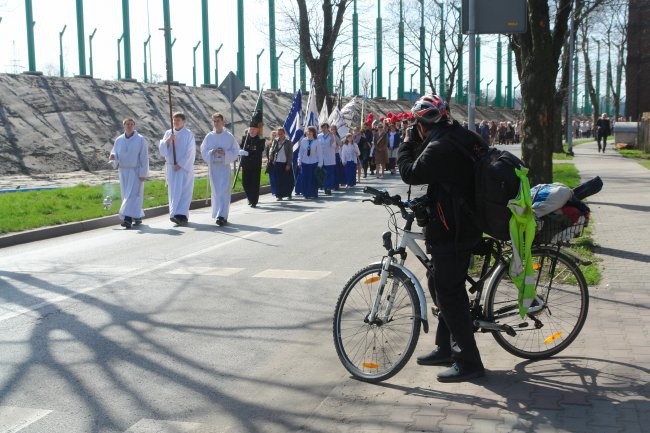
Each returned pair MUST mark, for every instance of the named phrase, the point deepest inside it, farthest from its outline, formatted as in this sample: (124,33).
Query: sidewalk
(598,385)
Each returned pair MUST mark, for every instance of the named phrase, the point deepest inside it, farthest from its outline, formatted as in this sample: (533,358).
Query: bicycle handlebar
(382,197)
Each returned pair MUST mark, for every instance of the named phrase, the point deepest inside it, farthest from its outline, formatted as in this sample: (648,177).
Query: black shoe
(221,221)
(328,192)
(253,204)
(175,220)
(137,221)
(126,224)
(278,198)
(456,374)
(437,357)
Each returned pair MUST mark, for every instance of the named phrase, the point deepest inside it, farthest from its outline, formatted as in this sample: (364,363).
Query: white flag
(324,114)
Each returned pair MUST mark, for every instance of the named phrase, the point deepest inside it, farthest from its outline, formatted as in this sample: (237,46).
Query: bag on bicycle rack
(563,224)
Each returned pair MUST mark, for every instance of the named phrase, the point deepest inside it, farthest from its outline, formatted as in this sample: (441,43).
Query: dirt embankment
(59,131)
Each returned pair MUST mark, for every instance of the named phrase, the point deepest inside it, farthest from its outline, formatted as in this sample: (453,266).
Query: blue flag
(293,124)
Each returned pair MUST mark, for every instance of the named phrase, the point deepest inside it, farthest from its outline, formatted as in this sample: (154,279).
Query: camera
(421,208)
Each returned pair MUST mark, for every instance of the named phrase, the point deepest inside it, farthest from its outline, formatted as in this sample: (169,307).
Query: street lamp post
(216,65)
(258,68)
(90,47)
(513,95)
(359,69)
(412,75)
(295,61)
(119,58)
(442,49)
(61,50)
(390,82)
(194,63)
(372,83)
(145,59)
(343,78)
(487,93)
(277,59)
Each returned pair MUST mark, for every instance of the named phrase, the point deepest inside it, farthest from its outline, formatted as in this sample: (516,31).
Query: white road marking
(292,274)
(59,298)
(13,419)
(202,270)
(157,426)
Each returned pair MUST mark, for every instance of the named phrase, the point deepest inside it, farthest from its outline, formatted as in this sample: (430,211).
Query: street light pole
(90,47)
(295,61)
(216,65)
(194,63)
(372,83)
(487,93)
(597,108)
(145,59)
(343,78)
(61,50)
(411,95)
(390,82)
(277,59)
(119,58)
(258,68)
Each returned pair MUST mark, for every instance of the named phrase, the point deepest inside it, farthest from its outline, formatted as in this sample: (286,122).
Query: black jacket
(449,174)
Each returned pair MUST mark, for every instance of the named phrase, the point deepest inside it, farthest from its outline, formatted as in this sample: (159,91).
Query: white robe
(132,161)
(219,169)
(180,184)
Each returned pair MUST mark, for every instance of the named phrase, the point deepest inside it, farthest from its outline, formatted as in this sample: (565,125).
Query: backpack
(495,184)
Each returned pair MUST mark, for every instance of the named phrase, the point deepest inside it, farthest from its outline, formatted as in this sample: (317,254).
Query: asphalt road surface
(184,329)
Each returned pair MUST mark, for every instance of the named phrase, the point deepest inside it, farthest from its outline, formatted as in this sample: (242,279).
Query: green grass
(27,210)
(566,174)
(638,154)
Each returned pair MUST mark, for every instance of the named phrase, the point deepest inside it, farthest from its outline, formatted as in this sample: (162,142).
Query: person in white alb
(130,156)
(328,150)
(178,147)
(219,149)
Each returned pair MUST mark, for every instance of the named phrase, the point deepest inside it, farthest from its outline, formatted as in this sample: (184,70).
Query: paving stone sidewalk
(598,385)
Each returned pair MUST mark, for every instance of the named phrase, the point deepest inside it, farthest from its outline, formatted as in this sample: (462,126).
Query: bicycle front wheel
(557,314)
(377,350)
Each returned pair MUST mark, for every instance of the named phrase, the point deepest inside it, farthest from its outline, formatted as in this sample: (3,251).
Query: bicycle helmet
(430,109)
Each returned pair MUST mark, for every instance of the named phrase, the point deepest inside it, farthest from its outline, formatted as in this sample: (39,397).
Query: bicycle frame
(407,242)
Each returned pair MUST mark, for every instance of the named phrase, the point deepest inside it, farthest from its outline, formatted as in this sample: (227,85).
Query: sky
(146,17)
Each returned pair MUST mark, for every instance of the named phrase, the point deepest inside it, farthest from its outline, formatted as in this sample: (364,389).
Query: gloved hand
(243,152)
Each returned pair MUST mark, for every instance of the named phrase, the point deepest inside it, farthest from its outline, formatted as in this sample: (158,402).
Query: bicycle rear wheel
(556,316)
(376,351)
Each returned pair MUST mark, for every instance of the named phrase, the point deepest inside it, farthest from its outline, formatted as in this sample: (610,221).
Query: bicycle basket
(557,228)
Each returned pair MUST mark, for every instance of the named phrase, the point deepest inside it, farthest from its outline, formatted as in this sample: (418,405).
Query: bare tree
(319,27)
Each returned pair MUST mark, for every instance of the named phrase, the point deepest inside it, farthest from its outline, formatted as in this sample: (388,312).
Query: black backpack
(495,183)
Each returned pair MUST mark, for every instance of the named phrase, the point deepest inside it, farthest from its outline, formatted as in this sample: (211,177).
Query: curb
(40,234)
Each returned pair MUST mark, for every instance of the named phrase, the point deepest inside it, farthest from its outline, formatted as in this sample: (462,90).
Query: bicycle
(382,307)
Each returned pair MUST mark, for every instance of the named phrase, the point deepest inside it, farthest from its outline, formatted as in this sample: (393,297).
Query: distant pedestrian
(280,164)
(130,155)
(178,147)
(310,158)
(219,149)
(350,157)
(252,150)
(603,129)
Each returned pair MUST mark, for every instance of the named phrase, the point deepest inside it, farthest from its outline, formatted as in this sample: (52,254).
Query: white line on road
(56,298)
(292,274)
(203,270)
(13,419)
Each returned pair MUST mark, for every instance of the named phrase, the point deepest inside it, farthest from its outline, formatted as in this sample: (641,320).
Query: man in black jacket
(252,149)
(431,155)
(603,130)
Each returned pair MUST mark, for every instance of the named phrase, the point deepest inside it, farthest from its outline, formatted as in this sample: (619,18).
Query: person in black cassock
(252,149)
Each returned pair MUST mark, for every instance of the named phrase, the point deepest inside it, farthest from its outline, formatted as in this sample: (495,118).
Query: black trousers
(604,138)
(447,287)
(251,170)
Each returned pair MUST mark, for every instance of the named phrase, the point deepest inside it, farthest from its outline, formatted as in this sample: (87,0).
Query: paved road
(191,330)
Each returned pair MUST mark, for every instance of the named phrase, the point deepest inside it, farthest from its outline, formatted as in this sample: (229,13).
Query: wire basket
(558,228)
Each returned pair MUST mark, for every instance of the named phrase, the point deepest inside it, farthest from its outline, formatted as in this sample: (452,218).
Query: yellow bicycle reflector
(537,266)
(553,337)
(371,365)
(371,280)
